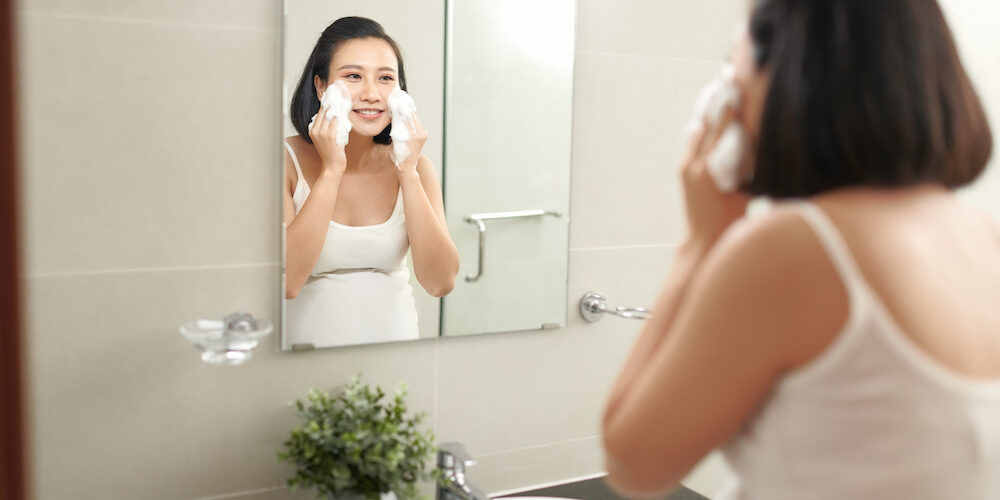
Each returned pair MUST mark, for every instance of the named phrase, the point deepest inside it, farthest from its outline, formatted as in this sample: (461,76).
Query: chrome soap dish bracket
(229,341)
(593,306)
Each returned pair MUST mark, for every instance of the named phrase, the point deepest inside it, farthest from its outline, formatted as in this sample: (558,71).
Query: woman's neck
(360,151)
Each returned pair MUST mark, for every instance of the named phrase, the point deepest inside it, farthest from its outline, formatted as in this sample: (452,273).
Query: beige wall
(973,23)
(151,156)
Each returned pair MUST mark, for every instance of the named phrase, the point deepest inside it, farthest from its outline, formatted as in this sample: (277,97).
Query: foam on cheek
(337,102)
(401,109)
(724,160)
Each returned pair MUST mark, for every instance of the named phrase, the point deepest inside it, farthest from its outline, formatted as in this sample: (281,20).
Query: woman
(350,212)
(846,344)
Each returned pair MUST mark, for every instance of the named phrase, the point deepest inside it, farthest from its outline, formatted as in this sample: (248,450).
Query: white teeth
(369,111)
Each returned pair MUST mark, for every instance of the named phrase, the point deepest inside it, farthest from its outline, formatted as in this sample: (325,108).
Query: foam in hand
(724,160)
(337,103)
(401,109)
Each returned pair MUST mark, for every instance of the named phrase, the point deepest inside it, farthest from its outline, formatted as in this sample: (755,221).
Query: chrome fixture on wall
(229,341)
(452,460)
(593,306)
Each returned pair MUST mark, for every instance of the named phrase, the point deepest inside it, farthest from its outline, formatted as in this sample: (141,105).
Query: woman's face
(753,83)
(368,68)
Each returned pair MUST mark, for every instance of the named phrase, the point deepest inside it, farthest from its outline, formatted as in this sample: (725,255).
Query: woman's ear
(320,86)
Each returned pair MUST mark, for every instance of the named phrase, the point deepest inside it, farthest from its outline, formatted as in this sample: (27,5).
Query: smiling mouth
(369,114)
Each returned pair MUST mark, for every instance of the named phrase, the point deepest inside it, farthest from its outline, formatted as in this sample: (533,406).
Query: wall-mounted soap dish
(229,341)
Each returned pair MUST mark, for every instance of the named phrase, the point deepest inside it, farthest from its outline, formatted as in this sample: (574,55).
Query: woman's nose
(370,92)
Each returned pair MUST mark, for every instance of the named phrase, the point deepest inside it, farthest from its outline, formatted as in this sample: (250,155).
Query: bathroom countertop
(595,489)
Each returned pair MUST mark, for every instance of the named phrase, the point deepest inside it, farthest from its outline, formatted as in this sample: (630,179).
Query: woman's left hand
(709,211)
(418,137)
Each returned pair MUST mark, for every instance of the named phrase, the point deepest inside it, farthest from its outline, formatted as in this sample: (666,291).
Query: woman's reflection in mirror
(350,212)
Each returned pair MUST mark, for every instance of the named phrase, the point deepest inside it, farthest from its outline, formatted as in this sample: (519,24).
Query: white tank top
(872,417)
(358,292)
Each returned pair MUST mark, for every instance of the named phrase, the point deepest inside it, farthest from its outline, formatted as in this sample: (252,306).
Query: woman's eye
(353,76)
(388,78)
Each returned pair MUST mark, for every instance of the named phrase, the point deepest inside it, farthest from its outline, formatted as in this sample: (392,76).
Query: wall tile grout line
(239,494)
(141,270)
(625,247)
(538,446)
(136,20)
(721,59)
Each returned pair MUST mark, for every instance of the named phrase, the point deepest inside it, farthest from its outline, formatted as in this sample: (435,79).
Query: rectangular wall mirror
(493,86)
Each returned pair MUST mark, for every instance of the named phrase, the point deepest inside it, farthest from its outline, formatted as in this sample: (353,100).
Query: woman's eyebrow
(355,66)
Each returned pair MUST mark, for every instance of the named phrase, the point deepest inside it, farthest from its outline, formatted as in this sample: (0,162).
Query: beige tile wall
(150,160)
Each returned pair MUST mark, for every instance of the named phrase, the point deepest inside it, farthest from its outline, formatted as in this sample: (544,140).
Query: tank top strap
(833,242)
(295,161)
(859,297)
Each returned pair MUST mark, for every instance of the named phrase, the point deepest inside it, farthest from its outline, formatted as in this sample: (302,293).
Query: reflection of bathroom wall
(509,126)
(149,199)
(418,28)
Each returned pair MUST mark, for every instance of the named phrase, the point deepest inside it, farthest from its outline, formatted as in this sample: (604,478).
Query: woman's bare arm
(435,258)
(764,299)
(305,233)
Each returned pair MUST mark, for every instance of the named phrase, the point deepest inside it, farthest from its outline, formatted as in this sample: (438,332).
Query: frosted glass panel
(508,125)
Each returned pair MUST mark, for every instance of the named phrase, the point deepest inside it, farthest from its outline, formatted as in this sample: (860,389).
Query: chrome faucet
(452,460)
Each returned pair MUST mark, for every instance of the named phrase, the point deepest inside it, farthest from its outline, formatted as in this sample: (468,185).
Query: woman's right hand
(323,133)
(709,211)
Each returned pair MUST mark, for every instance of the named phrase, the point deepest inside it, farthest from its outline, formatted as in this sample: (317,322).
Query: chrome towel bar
(479,221)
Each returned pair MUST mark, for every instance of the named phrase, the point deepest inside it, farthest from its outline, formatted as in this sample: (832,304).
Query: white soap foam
(337,102)
(719,94)
(401,109)
(724,159)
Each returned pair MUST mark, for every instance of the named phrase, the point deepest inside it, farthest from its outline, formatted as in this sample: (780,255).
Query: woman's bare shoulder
(775,269)
(302,150)
(425,169)
(773,253)
(424,164)
(305,153)
(298,144)
(778,230)
(292,146)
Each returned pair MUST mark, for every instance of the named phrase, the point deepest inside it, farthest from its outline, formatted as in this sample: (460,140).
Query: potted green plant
(357,445)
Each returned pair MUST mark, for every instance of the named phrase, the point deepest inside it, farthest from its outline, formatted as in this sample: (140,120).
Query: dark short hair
(862,93)
(305,102)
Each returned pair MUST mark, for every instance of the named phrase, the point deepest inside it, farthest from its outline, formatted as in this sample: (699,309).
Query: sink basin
(589,489)
(533,498)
